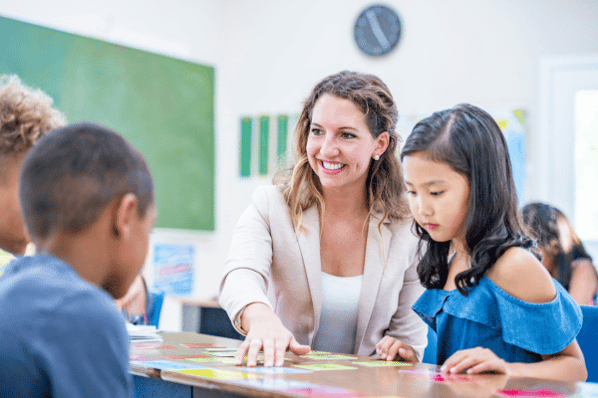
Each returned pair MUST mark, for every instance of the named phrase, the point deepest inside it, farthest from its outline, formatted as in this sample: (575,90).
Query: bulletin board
(164,106)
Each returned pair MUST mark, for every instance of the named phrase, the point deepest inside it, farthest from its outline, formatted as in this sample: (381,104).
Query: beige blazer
(267,252)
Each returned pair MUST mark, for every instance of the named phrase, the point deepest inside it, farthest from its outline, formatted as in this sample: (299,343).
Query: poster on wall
(173,268)
(512,123)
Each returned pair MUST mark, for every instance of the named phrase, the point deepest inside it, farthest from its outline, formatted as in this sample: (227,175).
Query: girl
(494,306)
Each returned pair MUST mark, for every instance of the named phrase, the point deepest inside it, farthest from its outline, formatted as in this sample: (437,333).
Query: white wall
(268,54)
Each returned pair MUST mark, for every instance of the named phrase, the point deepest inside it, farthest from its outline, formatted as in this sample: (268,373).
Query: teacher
(325,258)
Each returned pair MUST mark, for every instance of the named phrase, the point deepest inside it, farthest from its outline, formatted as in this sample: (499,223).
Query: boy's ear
(125,213)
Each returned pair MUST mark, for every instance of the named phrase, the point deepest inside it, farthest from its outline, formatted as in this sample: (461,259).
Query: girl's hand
(134,301)
(475,360)
(267,334)
(390,349)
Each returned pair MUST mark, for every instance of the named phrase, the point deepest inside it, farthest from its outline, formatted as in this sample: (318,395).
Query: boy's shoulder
(50,292)
(59,330)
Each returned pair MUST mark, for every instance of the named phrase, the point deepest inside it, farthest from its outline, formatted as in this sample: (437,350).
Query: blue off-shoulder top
(489,317)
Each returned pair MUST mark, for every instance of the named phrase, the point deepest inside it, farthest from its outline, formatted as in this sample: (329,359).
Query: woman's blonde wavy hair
(25,115)
(385,188)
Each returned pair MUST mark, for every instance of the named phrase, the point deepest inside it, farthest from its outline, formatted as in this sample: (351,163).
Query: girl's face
(438,198)
(340,146)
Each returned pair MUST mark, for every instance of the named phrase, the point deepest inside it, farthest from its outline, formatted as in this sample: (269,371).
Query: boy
(25,116)
(87,200)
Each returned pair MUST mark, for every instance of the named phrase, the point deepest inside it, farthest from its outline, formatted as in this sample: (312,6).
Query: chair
(157,300)
(588,340)
(431,349)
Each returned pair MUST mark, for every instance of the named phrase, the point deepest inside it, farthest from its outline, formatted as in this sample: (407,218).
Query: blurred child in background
(563,253)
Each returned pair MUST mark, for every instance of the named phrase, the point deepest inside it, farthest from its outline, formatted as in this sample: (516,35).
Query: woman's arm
(406,329)
(243,290)
(267,333)
(584,282)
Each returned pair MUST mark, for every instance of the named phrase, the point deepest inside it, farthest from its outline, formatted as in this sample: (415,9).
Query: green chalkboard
(162,105)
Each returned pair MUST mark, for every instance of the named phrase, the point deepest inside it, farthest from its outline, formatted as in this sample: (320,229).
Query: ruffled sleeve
(429,304)
(543,328)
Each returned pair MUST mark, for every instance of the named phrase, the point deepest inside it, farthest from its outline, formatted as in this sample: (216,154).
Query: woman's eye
(344,134)
(408,192)
(316,131)
(436,193)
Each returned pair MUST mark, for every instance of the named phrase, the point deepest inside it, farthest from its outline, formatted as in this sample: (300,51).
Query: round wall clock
(377,30)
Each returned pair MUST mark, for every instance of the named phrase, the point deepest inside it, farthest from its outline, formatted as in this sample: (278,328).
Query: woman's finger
(281,348)
(241,351)
(255,345)
(268,346)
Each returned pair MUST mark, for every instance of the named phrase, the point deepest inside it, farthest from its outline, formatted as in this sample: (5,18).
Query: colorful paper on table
(383,363)
(324,366)
(156,347)
(275,384)
(543,393)
(202,345)
(323,391)
(141,358)
(218,349)
(219,374)
(435,375)
(422,371)
(187,356)
(275,370)
(313,352)
(447,377)
(223,353)
(165,365)
(329,356)
(205,359)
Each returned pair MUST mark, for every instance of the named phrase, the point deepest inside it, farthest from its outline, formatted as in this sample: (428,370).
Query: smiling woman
(333,232)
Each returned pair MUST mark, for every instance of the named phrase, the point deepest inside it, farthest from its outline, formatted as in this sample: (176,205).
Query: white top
(338,320)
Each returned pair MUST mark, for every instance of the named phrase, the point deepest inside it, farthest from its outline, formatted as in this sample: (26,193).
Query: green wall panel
(162,105)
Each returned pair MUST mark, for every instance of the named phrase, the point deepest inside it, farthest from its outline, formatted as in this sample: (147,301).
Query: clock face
(377,30)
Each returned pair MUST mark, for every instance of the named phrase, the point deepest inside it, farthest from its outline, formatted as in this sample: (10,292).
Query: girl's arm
(566,365)
(584,282)
(520,274)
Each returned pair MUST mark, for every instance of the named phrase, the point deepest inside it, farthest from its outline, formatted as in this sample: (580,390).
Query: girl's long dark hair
(471,143)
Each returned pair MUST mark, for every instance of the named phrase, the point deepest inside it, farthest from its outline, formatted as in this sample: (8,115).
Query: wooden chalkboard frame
(164,106)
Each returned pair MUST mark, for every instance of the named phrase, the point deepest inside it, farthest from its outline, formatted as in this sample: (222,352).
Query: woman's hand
(267,334)
(392,349)
(475,360)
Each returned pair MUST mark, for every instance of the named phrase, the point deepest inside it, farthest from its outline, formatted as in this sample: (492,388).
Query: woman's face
(340,145)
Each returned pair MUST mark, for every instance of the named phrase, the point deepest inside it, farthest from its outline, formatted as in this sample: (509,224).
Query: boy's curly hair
(26,114)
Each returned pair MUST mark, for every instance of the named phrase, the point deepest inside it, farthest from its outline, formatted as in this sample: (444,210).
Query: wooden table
(362,381)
